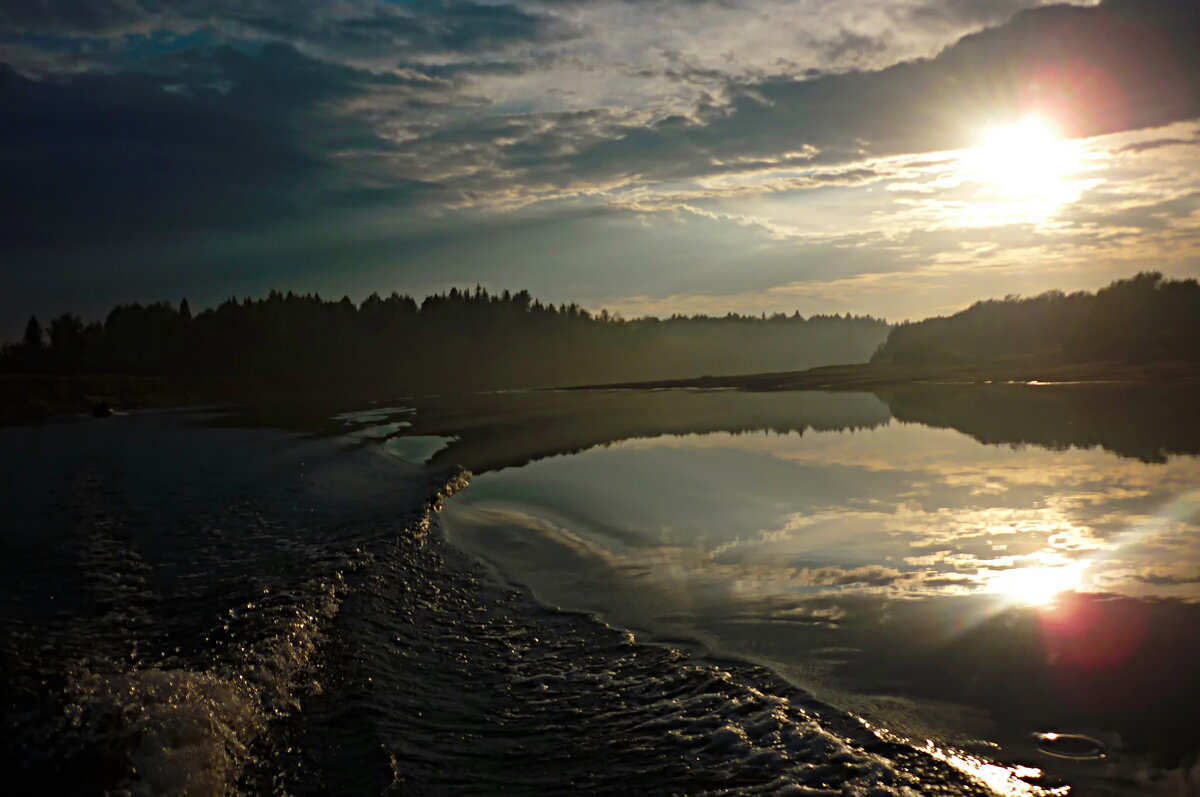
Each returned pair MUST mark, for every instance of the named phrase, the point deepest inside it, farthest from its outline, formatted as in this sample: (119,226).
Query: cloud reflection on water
(932,584)
(950,516)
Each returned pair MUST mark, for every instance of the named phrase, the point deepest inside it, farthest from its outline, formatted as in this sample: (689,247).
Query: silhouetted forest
(1143,318)
(463,339)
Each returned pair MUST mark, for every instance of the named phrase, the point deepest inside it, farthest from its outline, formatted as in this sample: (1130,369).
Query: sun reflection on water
(1006,781)
(1003,780)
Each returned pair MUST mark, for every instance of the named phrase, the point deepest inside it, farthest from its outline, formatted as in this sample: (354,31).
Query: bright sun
(1026,158)
(1036,586)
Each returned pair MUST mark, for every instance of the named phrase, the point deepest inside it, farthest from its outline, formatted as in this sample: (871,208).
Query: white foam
(188,732)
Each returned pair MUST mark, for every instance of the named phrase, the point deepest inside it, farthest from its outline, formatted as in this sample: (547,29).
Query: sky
(901,158)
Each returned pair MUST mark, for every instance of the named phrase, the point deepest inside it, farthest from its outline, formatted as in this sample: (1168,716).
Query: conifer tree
(33,333)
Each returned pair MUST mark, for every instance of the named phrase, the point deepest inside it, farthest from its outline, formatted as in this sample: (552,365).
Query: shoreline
(31,398)
(26,398)
(866,376)
(35,397)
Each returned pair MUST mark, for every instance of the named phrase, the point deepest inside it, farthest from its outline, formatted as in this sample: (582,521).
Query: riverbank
(33,397)
(30,397)
(866,376)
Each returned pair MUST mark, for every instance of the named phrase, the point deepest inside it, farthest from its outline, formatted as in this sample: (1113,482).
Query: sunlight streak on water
(1005,781)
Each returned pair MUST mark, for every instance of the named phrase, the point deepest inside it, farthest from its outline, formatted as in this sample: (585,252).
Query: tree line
(1145,318)
(461,339)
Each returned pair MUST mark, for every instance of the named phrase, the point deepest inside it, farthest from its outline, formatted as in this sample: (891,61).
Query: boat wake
(250,640)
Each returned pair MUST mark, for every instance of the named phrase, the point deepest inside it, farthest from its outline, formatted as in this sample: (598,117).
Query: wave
(298,641)
(146,691)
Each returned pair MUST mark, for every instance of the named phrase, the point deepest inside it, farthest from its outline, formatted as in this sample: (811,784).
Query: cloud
(70,16)
(769,124)
(1055,57)
(1060,60)
(367,25)
(970,12)
(420,27)
(1075,64)
(218,138)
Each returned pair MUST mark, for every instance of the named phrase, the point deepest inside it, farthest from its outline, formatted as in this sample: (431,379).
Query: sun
(1036,586)
(1028,158)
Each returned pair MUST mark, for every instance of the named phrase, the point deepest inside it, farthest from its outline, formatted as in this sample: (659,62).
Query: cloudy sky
(652,157)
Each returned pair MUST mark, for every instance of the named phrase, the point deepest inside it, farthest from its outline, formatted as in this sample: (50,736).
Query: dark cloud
(727,3)
(462,69)
(225,138)
(423,27)
(848,46)
(1157,143)
(1158,215)
(363,29)
(1165,580)
(69,16)
(680,70)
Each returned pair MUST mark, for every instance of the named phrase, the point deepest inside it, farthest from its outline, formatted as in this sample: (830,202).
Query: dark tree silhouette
(464,339)
(33,334)
(1145,318)
(68,341)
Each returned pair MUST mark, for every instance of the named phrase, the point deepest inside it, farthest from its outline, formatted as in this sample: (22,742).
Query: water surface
(930,591)
(983,595)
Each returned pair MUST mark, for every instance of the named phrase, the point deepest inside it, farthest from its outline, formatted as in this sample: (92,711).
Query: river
(930,590)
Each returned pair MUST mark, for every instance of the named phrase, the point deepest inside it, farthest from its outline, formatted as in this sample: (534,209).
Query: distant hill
(1145,318)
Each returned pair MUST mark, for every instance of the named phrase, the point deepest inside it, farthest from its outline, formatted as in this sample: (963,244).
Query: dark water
(799,594)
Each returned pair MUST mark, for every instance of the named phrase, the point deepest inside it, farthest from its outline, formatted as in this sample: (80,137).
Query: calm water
(797,593)
(981,595)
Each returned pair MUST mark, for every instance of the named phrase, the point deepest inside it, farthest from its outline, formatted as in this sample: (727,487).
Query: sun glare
(1036,586)
(1026,158)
